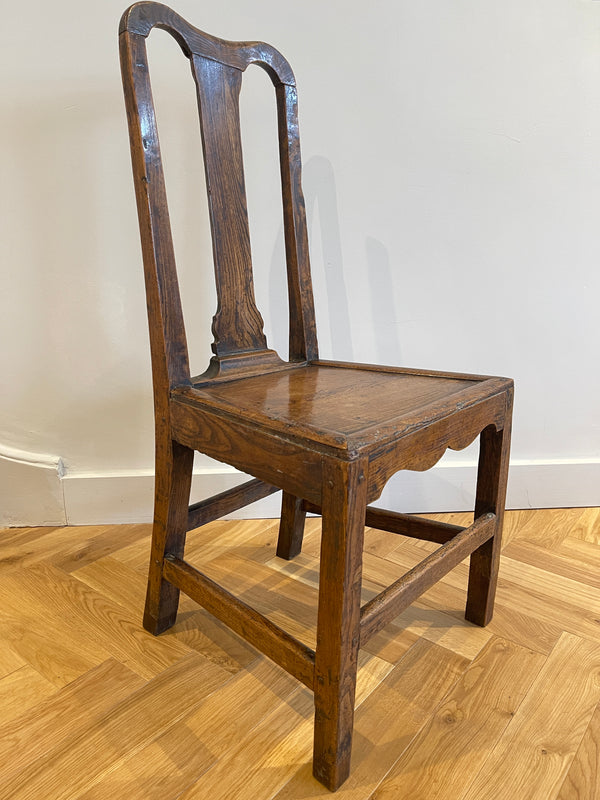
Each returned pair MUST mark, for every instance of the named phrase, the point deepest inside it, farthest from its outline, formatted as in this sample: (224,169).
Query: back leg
(291,526)
(491,496)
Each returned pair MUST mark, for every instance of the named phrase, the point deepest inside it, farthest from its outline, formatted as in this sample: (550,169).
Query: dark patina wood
(329,434)
(376,614)
(338,619)
(227,502)
(291,531)
(427,530)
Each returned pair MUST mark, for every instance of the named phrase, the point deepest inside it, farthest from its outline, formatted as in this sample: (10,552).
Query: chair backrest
(239,345)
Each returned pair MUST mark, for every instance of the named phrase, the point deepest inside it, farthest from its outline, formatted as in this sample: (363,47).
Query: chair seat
(348,407)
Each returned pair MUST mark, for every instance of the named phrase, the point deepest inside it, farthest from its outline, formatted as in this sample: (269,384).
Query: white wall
(452,179)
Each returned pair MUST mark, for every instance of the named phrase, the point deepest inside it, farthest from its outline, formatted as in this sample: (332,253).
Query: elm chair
(328,434)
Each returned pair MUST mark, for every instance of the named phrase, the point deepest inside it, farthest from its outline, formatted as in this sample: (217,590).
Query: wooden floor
(91,706)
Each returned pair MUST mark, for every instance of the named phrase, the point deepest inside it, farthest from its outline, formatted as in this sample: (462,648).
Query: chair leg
(291,526)
(172,492)
(491,495)
(338,621)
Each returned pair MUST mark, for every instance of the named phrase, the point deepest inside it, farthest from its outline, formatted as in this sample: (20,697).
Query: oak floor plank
(29,546)
(173,761)
(9,660)
(561,561)
(387,721)
(547,526)
(549,608)
(583,779)
(130,725)
(583,553)
(542,738)
(550,583)
(195,628)
(60,719)
(15,543)
(266,759)
(59,599)
(65,547)
(114,579)
(21,689)
(100,542)
(449,751)
(520,627)
(550,600)
(50,646)
(587,526)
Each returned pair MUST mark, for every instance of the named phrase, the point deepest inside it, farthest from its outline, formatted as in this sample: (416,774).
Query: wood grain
(22,689)
(547,729)
(450,749)
(60,720)
(265,760)
(173,761)
(128,726)
(583,779)
(196,628)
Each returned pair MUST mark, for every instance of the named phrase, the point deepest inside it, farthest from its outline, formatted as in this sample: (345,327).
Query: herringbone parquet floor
(93,707)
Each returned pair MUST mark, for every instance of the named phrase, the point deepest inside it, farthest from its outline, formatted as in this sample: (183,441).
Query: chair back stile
(239,345)
(168,345)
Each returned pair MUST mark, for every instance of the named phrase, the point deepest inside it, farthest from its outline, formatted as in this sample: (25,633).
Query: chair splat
(240,344)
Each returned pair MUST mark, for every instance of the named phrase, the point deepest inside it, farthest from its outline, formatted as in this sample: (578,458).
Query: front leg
(338,622)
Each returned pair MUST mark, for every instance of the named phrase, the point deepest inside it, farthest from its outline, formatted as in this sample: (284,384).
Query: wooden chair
(328,434)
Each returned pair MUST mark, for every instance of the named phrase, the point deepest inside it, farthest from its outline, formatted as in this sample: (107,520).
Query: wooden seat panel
(347,408)
(333,399)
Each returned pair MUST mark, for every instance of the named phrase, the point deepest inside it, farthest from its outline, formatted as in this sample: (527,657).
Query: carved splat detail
(237,326)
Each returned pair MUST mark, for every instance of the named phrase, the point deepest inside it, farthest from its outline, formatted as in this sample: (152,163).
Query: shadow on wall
(330,273)
(323,221)
(383,309)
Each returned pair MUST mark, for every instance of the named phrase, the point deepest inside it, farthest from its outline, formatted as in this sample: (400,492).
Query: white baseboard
(30,489)
(37,493)
(96,499)
(531,484)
